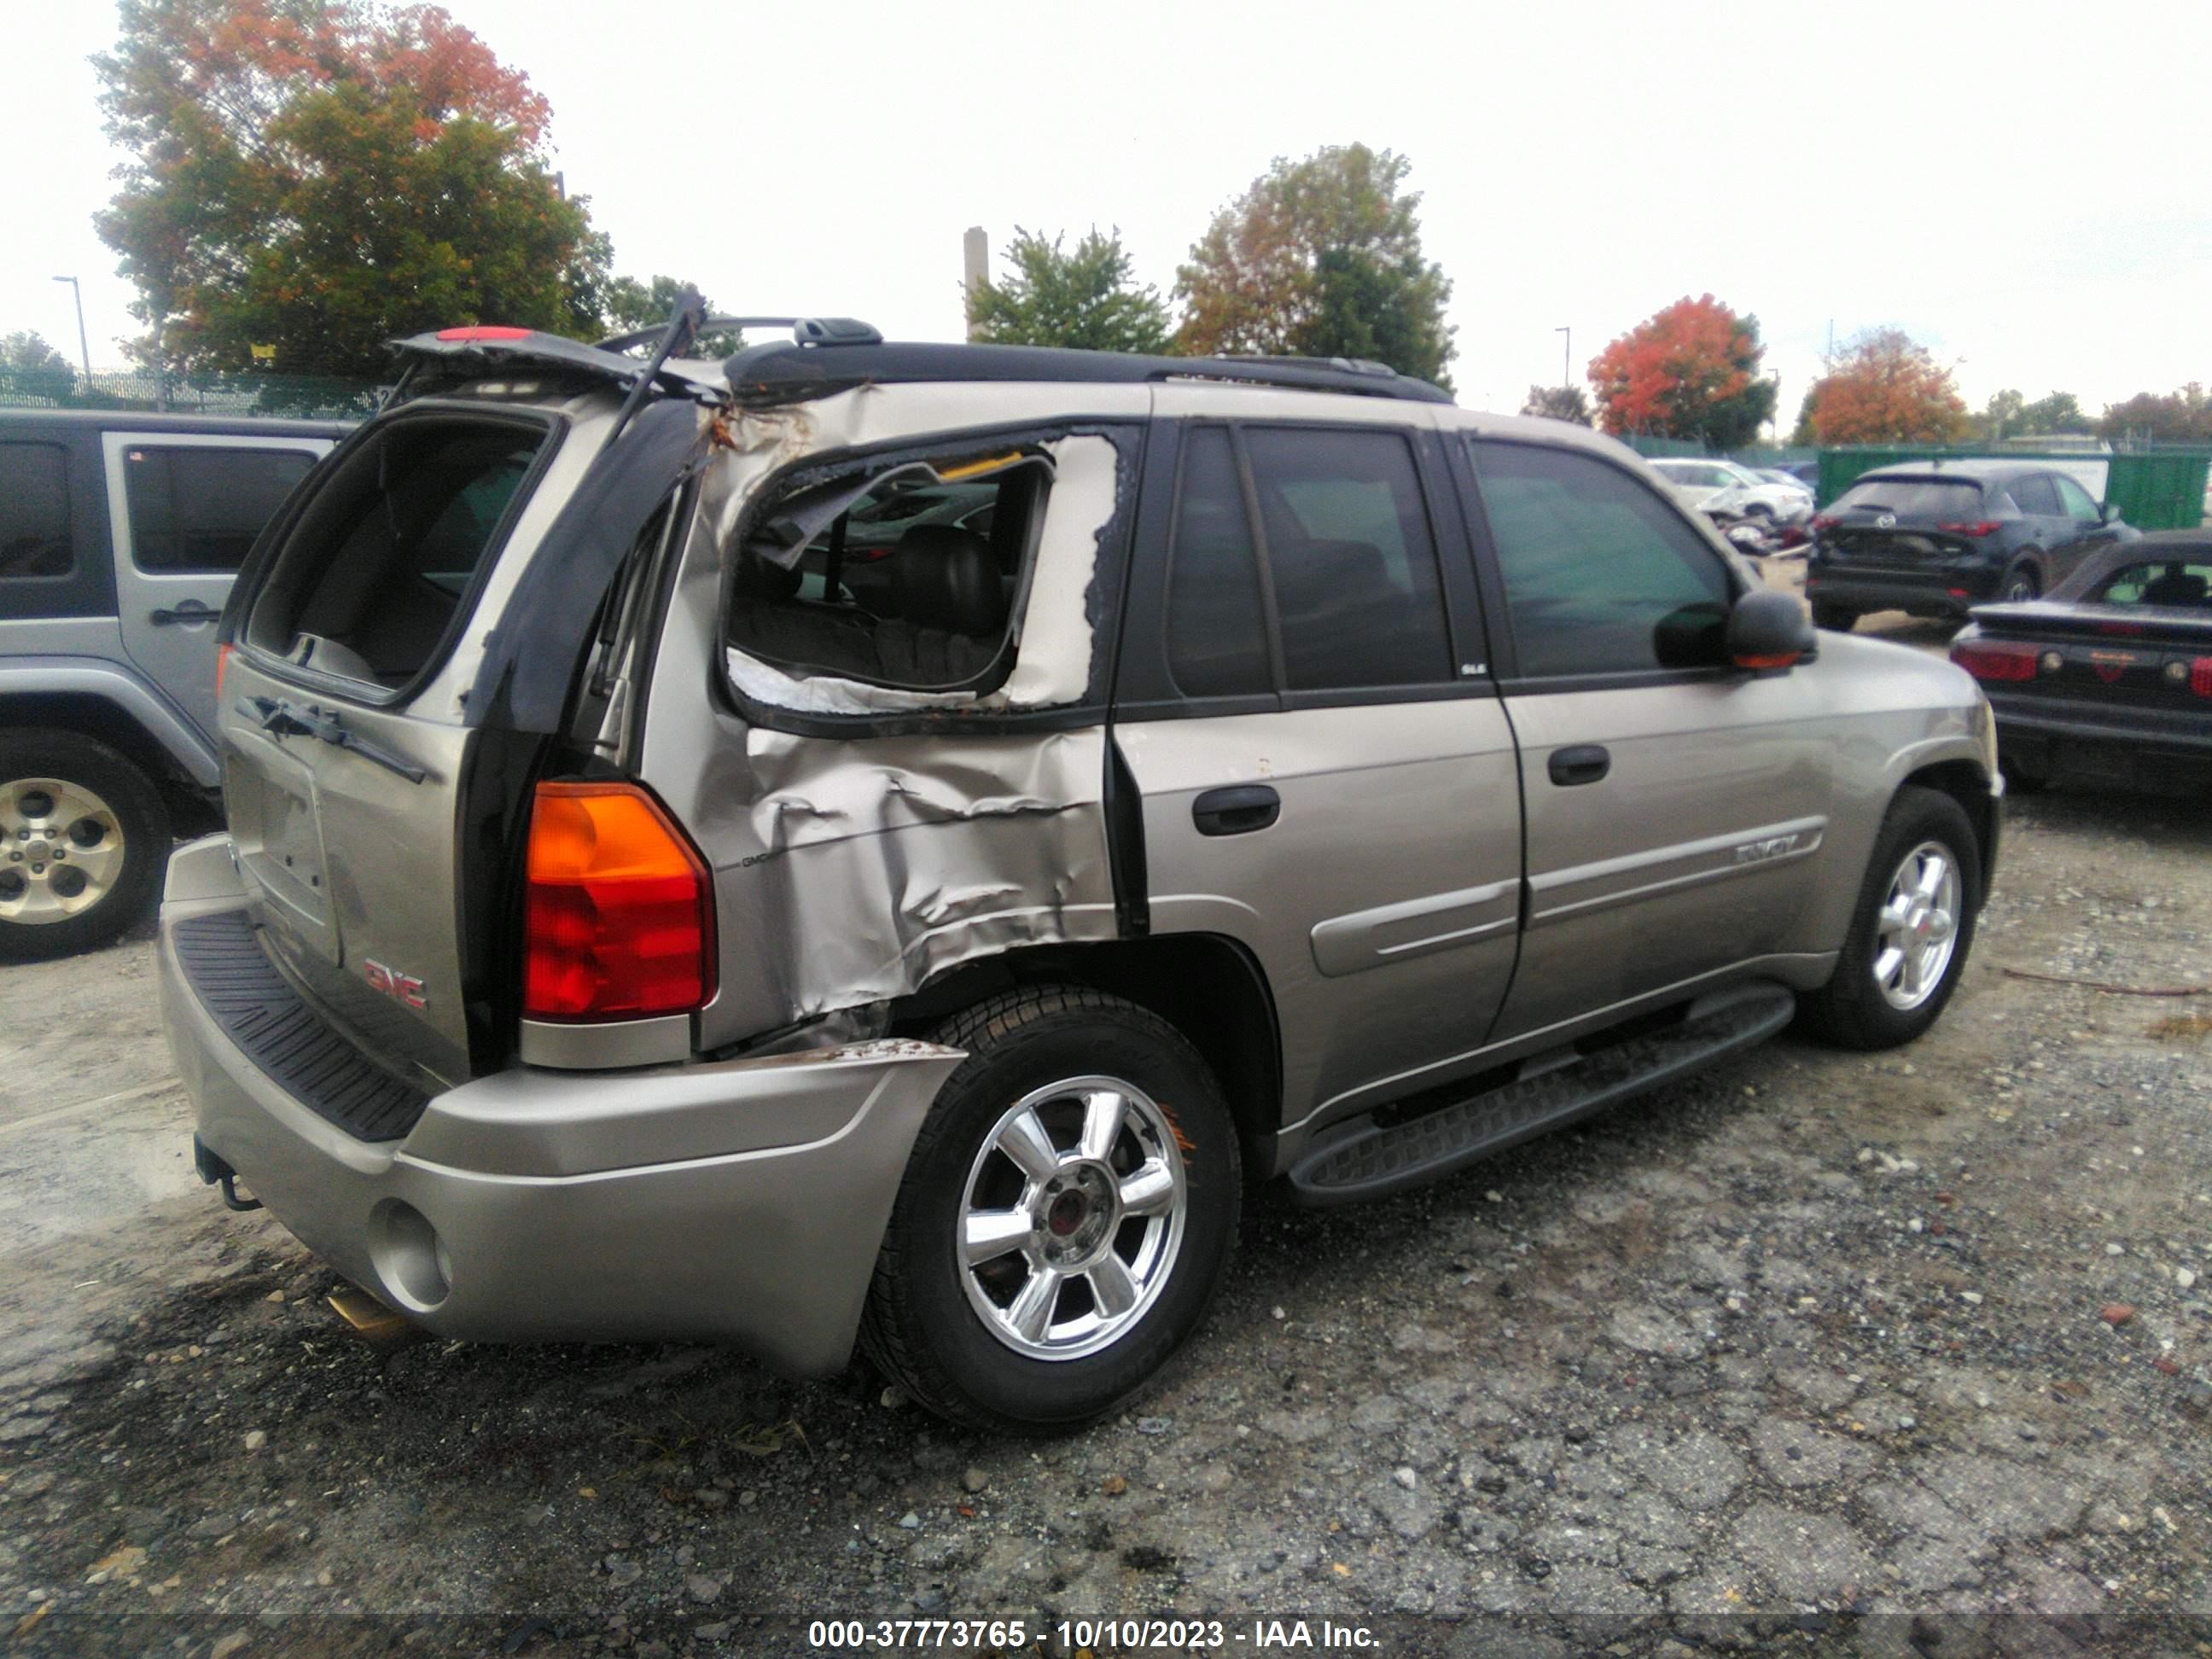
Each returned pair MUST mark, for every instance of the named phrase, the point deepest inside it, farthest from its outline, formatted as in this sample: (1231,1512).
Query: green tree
(2001,417)
(2058,413)
(1088,299)
(323,175)
(1321,257)
(31,368)
(627,305)
(1558,402)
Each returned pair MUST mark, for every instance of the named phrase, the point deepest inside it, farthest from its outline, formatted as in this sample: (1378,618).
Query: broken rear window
(908,576)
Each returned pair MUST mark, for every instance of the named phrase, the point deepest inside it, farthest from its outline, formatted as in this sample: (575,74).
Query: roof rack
(786,374)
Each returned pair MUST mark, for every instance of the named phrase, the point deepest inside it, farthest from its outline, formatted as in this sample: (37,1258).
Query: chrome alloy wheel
(61,850)
(1073,1217)
(1917,929)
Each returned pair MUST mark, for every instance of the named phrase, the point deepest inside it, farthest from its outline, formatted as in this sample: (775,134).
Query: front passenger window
(1601,576)
(2075,501)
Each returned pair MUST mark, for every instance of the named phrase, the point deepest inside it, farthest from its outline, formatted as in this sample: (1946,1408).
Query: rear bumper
(2153,750)
(741,1201)
(1869,593)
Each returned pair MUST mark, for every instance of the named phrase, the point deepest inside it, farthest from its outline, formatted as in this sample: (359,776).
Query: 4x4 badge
(401,988)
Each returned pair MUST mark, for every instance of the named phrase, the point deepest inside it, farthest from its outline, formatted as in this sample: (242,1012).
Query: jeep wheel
(83,840)
(2019,585)
(1913,929)
(1066,1215)
(1837,618)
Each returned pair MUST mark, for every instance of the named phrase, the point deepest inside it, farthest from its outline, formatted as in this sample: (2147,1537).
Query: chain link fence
(297,395)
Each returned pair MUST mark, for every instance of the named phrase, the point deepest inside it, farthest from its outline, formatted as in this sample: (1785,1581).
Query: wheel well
(192,811)
(1207,986)
(1966,783)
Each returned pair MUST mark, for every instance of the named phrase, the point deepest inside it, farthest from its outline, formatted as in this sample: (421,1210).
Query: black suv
(1937,537)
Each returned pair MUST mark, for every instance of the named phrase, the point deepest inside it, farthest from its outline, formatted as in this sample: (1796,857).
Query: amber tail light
(618,917)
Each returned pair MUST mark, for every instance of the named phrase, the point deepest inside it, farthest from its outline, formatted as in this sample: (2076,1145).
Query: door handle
(1235,812)
(188,611)
(1581,763)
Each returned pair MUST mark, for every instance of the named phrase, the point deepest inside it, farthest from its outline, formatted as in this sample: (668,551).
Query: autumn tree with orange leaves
(322,175)
(1884,389)
(1690,371)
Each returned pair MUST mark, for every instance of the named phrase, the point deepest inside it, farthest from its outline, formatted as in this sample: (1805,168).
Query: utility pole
(1567,359)
(975,270)
(84,351)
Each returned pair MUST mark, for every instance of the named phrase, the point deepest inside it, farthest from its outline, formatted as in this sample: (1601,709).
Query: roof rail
(804,331)
(785,373)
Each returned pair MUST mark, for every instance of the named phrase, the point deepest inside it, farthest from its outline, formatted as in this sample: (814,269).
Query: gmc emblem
(401,988)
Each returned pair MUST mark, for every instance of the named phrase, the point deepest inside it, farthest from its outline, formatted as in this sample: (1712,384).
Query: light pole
(84,351)
(1567,359)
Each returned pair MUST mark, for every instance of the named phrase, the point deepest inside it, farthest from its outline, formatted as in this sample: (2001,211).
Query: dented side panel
(851,866)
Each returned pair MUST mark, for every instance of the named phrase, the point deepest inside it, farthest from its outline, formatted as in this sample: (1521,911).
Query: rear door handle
(1237,810)
(187,611)
(1584,763)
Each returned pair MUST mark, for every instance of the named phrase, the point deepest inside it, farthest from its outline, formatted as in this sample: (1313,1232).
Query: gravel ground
(1910,1353)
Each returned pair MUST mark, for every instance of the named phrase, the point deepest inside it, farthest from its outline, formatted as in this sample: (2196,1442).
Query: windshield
(1913,498)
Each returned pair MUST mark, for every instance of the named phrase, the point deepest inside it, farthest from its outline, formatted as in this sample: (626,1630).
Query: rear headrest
(947,578)
(2177,589)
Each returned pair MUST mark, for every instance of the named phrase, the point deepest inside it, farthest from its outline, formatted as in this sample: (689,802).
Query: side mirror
(1768,628)
(2109,514)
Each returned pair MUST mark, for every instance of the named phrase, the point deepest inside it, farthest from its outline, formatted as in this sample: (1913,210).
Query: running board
(1549,1092)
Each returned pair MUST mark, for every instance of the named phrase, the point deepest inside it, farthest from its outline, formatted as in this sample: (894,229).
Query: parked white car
(1723,489)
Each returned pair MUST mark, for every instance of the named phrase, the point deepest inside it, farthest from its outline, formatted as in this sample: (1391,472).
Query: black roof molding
(787,374)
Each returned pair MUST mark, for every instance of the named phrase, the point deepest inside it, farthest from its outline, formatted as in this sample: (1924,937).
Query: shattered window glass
(906,577)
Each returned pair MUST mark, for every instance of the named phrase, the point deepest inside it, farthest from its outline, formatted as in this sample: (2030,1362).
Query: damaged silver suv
(872,842)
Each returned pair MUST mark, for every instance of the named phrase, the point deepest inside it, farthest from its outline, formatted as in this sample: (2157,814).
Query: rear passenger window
(1601,576)
(1217,629)
(905,578)
(2034,495)
(34,521)
(198,510)
(1353,564)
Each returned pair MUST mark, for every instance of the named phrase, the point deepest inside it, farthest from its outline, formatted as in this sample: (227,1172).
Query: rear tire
(1892,978)
(84,837)
(1057,1321)
(2021,584)
(1837,618)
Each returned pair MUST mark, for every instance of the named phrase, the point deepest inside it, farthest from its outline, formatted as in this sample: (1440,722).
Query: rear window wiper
(277,717)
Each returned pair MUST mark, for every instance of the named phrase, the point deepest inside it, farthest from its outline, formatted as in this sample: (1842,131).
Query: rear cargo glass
(375,569)
(1913,498)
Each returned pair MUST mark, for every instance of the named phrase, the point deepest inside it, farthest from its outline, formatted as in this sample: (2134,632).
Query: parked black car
(1936,538)
(2109,680)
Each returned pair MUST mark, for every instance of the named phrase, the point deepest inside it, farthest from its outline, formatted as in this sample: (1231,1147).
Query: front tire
(1837,618)
(1911,931)
(1067,1216)
(84,837)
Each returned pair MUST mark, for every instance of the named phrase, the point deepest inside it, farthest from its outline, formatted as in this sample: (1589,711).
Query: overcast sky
(2022,189)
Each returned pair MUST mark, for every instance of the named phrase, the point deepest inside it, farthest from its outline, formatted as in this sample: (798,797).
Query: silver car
(1723,489)
(628,928)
